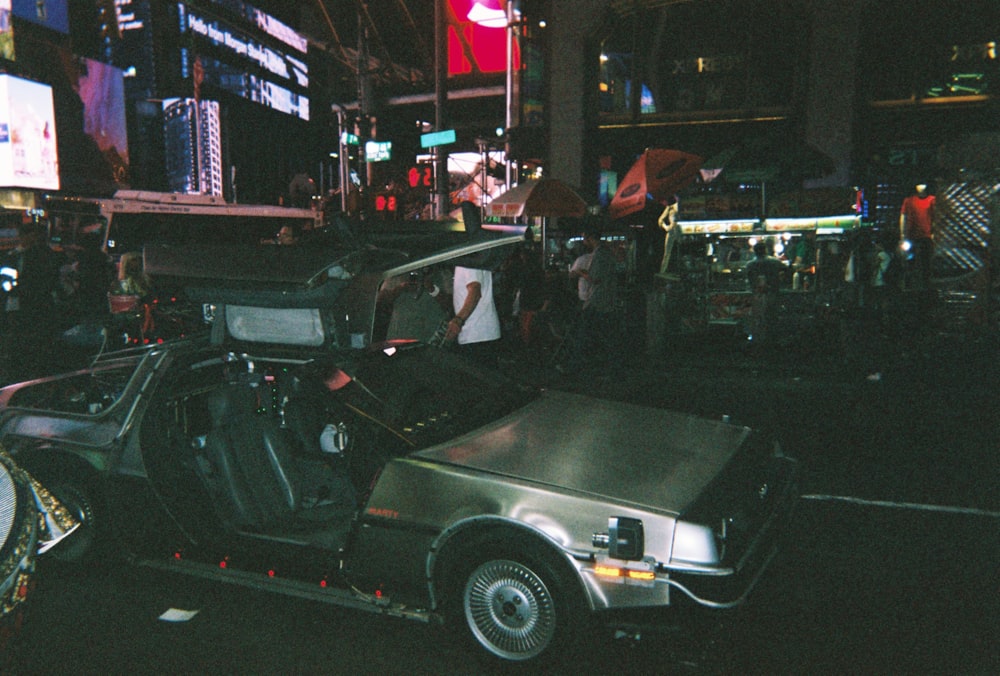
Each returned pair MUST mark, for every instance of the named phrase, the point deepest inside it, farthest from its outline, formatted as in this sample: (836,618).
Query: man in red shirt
(916,225)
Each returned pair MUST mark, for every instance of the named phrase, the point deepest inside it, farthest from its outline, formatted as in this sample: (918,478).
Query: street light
(504,17)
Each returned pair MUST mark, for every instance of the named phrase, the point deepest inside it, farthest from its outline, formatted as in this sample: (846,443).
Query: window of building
(693,60)
(925,51)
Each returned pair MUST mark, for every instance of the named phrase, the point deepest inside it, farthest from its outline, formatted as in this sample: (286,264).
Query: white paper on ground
(178,615)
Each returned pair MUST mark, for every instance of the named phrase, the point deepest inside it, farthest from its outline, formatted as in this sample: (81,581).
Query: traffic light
(421,176)
(386,204)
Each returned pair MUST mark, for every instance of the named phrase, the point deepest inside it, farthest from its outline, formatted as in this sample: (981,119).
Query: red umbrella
(657,175)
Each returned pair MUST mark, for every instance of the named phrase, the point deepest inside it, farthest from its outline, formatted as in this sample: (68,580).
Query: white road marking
(915,506)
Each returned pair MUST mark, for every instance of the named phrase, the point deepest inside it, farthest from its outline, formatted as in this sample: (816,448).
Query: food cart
(712,287)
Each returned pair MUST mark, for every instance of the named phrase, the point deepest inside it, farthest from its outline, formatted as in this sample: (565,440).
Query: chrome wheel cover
(509,610)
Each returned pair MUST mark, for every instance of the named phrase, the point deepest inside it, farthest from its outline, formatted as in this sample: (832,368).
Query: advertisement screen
(6,32)
(49,13)
(28,157)
(102,91)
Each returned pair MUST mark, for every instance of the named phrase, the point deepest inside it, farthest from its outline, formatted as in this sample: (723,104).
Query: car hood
(646,457)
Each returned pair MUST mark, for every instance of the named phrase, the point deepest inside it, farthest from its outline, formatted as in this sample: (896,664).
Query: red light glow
(488,46)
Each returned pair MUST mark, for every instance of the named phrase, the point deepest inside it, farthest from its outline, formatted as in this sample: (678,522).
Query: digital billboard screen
(237,61)
(102,91)
(28,155)
(49,13)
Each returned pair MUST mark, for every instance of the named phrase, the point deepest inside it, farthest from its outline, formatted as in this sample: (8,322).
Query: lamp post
(505,18)
(509,96)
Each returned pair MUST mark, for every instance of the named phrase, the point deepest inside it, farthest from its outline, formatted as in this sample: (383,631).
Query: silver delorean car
(441,491)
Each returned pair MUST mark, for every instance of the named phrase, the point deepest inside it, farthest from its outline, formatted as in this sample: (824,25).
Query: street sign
(378,151)
(437,138)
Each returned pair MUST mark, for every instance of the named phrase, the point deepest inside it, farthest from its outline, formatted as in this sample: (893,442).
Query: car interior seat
(250,457)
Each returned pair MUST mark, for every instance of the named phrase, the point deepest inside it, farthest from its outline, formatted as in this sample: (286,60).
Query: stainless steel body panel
(644,457)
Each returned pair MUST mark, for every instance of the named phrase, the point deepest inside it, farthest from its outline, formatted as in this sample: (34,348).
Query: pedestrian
(92,276)
(764,275)
(475,328)
(415,305)
(30,307)
(597,339)
(531,294)
(577,272)
(132,278)
(804,263)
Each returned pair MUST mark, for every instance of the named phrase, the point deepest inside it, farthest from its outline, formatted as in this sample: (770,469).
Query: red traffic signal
(421,176)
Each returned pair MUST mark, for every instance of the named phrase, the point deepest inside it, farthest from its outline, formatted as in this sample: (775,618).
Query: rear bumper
(729,585)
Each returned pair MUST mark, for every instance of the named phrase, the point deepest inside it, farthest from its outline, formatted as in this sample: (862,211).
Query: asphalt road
(892,565)
(862,589)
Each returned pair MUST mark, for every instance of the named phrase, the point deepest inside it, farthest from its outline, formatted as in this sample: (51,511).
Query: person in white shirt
(576,270)
(476,325)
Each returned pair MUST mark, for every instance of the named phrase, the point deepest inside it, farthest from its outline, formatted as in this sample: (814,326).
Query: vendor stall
(711,282)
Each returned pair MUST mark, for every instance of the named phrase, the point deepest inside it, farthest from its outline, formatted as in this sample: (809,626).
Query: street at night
(890,566)
(490,336)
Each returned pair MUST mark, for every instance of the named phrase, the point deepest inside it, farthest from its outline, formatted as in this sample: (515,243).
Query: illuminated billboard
(49,13)
(102,91)
(477,38)
(28,157)
(240,54)
(6,32)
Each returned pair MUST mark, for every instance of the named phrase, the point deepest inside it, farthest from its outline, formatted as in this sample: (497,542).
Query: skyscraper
(193,147)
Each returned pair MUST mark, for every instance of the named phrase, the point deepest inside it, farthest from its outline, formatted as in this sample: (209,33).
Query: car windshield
(397,398)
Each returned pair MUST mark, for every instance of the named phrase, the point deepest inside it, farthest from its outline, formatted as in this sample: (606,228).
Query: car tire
(519,607)
(84,544)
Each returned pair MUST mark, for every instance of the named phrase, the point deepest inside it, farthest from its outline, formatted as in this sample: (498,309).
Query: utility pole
(364,99)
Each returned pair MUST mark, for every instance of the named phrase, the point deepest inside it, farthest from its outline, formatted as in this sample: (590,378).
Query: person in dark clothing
(764,275)
(596,341)
(94,274)
(30,307)
(531,293)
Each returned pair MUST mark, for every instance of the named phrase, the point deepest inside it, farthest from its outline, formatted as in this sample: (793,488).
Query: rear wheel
(520,607)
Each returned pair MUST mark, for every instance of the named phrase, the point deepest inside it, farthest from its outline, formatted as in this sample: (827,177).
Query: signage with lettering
(237,74)
(378,151)
(437,138)
(271,60)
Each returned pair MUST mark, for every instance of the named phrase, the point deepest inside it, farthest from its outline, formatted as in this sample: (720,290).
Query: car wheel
(520,608)
(82,545)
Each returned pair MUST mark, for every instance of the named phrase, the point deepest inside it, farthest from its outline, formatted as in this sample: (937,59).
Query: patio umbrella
(543,197)
(656,175)
(538,198)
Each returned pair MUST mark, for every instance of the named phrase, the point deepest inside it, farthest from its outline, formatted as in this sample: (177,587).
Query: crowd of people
(56,302)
